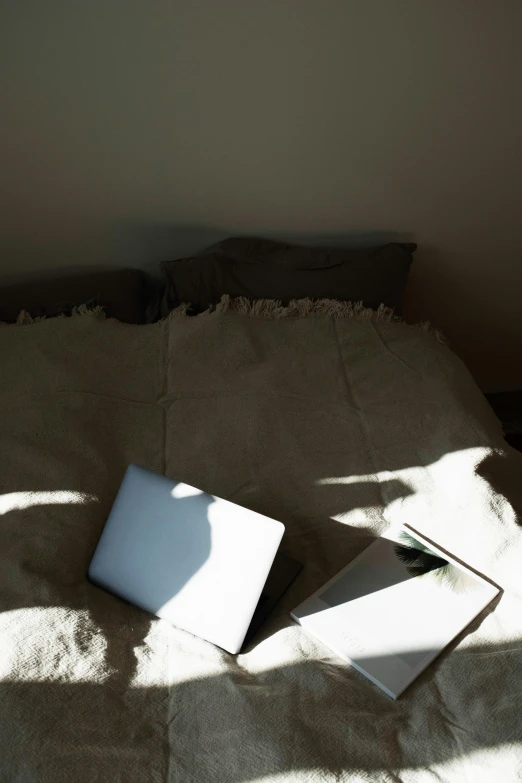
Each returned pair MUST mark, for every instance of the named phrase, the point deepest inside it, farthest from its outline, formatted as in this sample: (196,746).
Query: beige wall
(134,131)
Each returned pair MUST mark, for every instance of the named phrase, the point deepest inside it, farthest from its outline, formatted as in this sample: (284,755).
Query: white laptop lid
(194,559)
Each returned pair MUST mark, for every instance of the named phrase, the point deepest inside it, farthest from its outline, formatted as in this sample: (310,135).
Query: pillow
(121,292)
(266,269)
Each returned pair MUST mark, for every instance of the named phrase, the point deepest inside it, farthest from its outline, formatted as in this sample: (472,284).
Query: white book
(395,607)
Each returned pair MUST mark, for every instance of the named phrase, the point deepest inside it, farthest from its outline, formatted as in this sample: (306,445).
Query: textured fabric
(335,426)
(265,269)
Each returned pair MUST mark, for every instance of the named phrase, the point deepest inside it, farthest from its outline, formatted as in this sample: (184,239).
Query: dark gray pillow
(266,269)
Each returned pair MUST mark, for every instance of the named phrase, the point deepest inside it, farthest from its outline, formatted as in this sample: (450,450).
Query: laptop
(200,562)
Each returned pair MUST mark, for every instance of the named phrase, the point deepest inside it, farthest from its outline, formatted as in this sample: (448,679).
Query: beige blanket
(338,426)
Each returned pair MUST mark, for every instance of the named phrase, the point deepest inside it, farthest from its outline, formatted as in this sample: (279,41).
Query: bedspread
(337,426)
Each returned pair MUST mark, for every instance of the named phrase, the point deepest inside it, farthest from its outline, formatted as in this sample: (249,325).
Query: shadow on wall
(145,245)
(433,291)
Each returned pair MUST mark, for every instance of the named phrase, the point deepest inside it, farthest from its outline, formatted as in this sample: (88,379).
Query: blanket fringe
(299,308)
(84,309)
(180,311)
(26,319)
(264,308)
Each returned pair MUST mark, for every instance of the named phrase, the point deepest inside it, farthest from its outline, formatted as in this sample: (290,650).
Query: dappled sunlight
(448,465)
(449,488)
(446,501)
(481,764)
(292,776)
(280,649)
(301,707)
(180,656)
(51,644)
(86,662)
(17,501)
(382,475)
(340,430)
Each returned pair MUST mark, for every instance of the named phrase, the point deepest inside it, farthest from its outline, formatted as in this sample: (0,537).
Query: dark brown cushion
(266,269)
(120,292)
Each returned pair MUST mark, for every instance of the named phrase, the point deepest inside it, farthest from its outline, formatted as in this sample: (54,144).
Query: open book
(394,608)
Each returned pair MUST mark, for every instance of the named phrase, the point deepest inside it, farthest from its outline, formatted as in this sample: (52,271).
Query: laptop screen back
(194,559)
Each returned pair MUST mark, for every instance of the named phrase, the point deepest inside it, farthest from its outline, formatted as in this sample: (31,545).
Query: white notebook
(395,607)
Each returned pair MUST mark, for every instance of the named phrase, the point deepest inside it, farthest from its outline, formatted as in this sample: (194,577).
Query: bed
(334,418)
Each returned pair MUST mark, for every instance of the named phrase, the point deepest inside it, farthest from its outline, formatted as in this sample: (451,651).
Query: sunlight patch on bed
(482,765)
(51,644)
(16,501)
(448,487)
(297,776)
(450,465)
(366,478)
(278,650)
